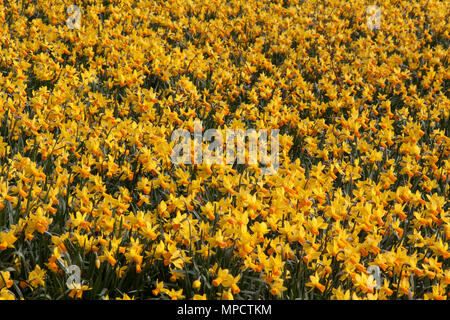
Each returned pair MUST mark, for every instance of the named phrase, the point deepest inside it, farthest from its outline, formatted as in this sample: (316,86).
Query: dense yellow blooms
(86,179)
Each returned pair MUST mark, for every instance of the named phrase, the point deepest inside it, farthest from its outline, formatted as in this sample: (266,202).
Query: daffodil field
(93,207)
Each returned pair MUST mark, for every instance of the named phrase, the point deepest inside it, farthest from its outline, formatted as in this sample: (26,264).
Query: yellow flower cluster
(357,210)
